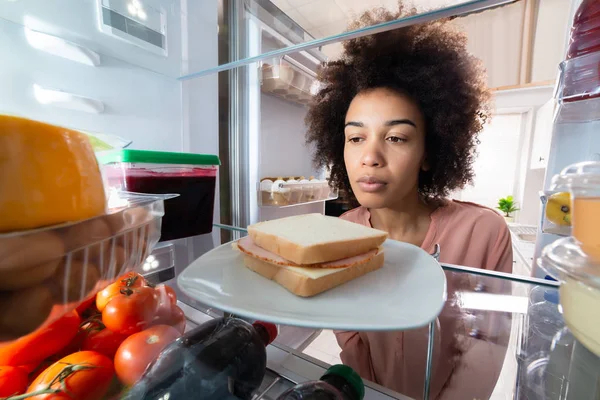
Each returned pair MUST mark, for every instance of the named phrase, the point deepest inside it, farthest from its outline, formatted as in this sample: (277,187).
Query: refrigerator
(575,128)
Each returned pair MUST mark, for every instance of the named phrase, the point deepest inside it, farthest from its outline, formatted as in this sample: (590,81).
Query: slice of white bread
(315,238)
(307,282)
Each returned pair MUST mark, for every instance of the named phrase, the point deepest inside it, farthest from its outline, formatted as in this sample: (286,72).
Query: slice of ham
(246,245)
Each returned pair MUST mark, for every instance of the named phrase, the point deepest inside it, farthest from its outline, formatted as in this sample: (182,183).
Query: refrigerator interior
(66,68)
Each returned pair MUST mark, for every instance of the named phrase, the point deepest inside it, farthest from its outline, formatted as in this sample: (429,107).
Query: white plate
(407,292)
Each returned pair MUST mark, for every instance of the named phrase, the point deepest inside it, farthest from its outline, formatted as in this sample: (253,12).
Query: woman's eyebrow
(401,122)
(352,123)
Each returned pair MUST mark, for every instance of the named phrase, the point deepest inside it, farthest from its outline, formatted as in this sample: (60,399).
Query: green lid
(347,373)
(156,157)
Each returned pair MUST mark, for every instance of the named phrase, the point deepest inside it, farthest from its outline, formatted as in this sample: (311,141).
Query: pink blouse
(464,365)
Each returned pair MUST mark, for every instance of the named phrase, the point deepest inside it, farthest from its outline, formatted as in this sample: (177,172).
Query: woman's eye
(395,139)
(354,140)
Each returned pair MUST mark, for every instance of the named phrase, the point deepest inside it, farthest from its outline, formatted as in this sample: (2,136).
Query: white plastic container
(579,291)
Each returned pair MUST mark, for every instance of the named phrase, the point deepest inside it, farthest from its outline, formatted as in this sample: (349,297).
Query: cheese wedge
(48,175)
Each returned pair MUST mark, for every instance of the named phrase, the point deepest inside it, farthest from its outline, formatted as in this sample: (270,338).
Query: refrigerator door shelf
(295,194)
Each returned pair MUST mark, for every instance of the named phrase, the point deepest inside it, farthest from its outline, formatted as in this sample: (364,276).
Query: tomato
(169,314)
(40,368)
(140,349)
(132,312)
(129,280)
(82,375)
(13,381)
(104,342)
(166,294)
(178,319)
(42,343)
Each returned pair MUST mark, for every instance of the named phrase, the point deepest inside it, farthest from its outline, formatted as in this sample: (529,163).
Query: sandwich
(309,254)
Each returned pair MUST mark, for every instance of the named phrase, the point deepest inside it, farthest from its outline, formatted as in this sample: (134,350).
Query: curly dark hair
(430,64)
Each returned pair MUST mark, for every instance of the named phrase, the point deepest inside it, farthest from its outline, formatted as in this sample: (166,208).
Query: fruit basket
(556,213)
(50,271)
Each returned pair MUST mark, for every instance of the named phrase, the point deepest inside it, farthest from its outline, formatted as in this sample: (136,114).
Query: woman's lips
(371,184)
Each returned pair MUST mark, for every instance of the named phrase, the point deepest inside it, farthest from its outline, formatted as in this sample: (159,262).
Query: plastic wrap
(48,272)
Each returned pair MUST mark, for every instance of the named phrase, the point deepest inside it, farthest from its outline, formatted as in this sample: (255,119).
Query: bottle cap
(348,374)
(270,329)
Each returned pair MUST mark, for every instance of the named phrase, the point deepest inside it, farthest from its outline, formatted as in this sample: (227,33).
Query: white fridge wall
(77,21)
(283,150)
(140,105)
(282,139)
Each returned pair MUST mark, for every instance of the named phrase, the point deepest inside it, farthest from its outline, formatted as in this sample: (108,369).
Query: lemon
(558,208)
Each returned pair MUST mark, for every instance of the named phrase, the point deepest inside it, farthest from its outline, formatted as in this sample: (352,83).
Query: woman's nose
(372,156)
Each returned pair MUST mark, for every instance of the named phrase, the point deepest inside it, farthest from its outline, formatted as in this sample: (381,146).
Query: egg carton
(58,267)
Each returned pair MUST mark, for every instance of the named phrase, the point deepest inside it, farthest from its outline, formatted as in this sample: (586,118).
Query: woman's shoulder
(471,212)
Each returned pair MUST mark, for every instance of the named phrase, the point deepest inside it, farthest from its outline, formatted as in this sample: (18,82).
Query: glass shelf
(512,337)
(183,40)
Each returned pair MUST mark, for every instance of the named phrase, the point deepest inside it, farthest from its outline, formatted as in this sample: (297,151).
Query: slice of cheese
(314,273)
(48,175)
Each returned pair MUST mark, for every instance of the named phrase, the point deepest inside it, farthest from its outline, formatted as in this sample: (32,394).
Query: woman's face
(384,147)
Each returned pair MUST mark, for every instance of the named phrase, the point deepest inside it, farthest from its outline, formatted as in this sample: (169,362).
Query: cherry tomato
(132,312)
(104,342)
(42,343)
(139,350)
(83,375)
(166,294)
(129,280)
(13,381)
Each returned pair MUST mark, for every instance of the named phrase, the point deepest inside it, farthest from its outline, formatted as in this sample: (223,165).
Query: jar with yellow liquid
(579,292)
(582,180)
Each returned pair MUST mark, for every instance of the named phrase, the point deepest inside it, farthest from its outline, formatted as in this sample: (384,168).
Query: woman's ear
(425,164)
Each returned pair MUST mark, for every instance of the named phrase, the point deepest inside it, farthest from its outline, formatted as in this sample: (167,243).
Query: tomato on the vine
(13,381)
(103,341)
(42,343)
(130,312)
(140,349)
(129,280)
(82,375)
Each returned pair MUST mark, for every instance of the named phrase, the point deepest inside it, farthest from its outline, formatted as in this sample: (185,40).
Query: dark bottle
(223,358)
(340,382)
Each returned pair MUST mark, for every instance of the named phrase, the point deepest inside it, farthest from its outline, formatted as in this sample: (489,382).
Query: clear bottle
(224,358)
(340,382)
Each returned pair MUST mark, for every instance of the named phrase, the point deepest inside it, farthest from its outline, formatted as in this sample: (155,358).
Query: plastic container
(579,291)
(192,176)
(221,359)
(340,382)
(48,272)
(582,180)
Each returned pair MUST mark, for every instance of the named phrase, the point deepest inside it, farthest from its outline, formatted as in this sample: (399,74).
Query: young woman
(396,120)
